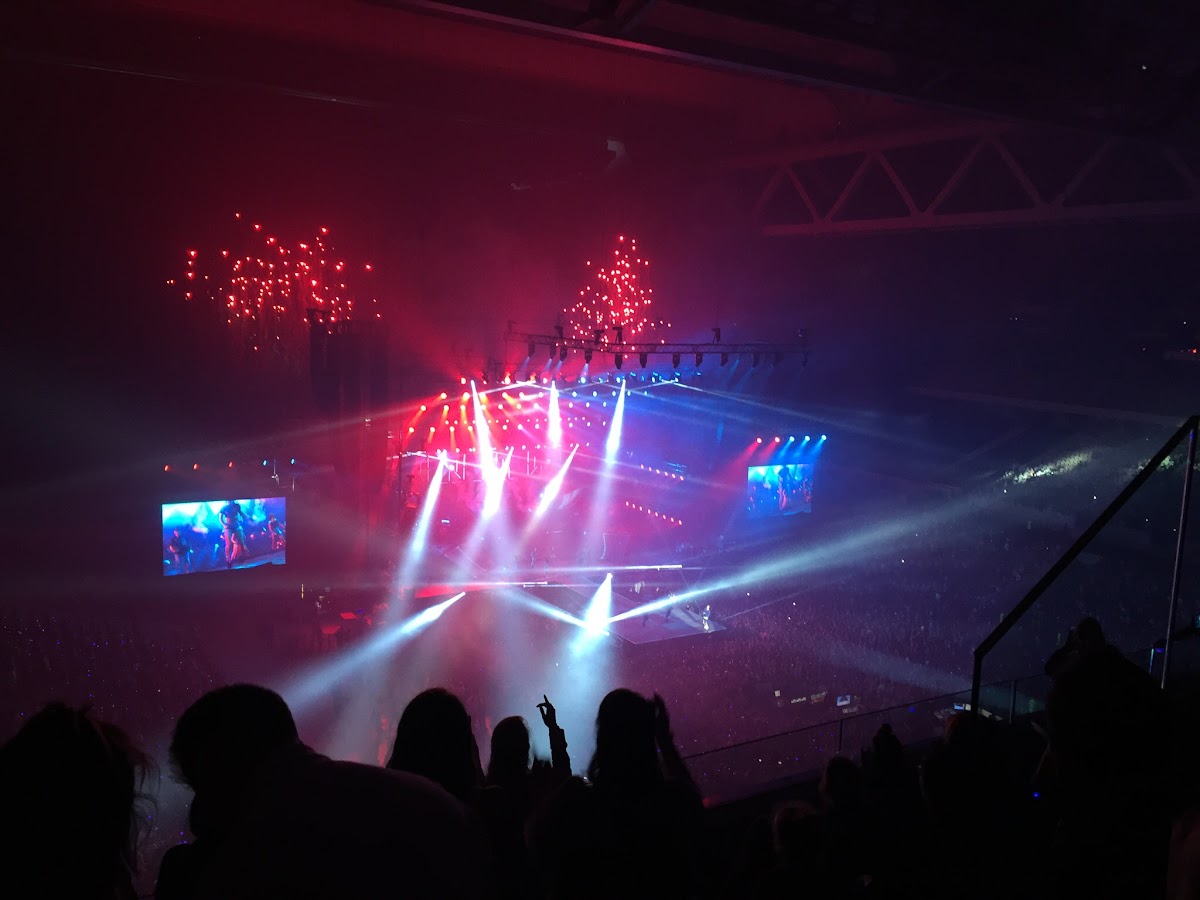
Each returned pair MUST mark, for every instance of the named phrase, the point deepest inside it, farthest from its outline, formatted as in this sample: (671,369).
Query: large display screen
(782,490)
(213,535)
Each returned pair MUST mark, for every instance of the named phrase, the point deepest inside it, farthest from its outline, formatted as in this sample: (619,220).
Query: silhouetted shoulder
(341,829)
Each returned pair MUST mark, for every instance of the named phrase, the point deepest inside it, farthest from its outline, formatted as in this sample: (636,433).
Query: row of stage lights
(671,520)
(791,438)
(614,378)
(560,354)
(195,467)
(661,472)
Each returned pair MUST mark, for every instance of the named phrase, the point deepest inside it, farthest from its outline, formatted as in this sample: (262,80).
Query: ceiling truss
(976,175)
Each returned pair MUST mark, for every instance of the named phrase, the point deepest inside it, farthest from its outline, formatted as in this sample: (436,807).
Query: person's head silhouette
(626,754)
(509,761)
(434,739)
(223,738)
(70,785)
(841,785)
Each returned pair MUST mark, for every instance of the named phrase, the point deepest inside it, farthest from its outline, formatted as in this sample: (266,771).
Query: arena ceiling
(1120,67)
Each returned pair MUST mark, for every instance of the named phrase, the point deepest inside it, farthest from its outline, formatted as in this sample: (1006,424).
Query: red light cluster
(618,295)
(267,289)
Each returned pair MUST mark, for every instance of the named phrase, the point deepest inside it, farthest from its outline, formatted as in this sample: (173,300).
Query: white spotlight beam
(613,443)
(421,532)
(553,486)
(599,608)
(495,486)
(554,427)
(316,683)
(836,553)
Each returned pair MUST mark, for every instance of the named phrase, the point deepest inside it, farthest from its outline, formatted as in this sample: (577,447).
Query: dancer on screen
(232,520)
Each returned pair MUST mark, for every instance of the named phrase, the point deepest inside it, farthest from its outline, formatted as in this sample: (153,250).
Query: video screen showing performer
(211,535)
(783,490)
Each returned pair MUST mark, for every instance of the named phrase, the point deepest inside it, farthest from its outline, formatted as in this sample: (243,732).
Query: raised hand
(549,716)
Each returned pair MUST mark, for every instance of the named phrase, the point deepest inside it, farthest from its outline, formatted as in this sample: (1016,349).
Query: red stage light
(195,467)
(443,395)
(166,468)
(759,440)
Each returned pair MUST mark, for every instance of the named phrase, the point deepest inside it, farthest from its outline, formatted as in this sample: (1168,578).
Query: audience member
(634,830)
(515,790)
(287,822)
(70,785)
(1109,744)
(434,740)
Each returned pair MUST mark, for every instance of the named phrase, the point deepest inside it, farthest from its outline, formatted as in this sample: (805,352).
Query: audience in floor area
(1106,807)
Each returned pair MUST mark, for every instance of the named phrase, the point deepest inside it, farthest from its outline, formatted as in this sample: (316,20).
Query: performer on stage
(275,528)
(232,519)
(181,551)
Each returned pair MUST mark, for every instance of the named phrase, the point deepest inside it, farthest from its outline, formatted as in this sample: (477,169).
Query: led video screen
(782,490)
(214,535)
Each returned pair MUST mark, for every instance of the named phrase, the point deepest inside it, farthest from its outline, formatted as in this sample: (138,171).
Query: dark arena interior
(827,369)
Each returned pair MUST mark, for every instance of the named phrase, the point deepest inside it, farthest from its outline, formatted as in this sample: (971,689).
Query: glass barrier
(1122,578)
(743,768)
(753,766)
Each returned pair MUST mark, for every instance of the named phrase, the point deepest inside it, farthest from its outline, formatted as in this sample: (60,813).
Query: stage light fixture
(587,358)
(675,360)
(531,347)
(643,358)
(777,439)
(562,355)
(716,335)
(620,330)
(754,360)
(597,334)
(699,359)
(558,331)
(759,440)
(618,359)
(724,359)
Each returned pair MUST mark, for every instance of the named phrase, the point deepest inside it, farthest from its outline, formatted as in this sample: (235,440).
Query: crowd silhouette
(1096,799)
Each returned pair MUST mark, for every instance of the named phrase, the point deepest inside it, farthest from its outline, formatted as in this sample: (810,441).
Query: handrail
(817,725)
(1073,552)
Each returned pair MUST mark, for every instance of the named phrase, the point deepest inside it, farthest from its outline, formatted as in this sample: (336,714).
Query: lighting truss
(799,347)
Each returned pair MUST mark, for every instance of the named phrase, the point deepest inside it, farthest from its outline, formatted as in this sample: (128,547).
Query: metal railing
(748,766)
(1185,431)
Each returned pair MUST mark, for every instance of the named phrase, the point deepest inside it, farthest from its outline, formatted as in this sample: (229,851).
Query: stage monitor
(215,535)
(782,490)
